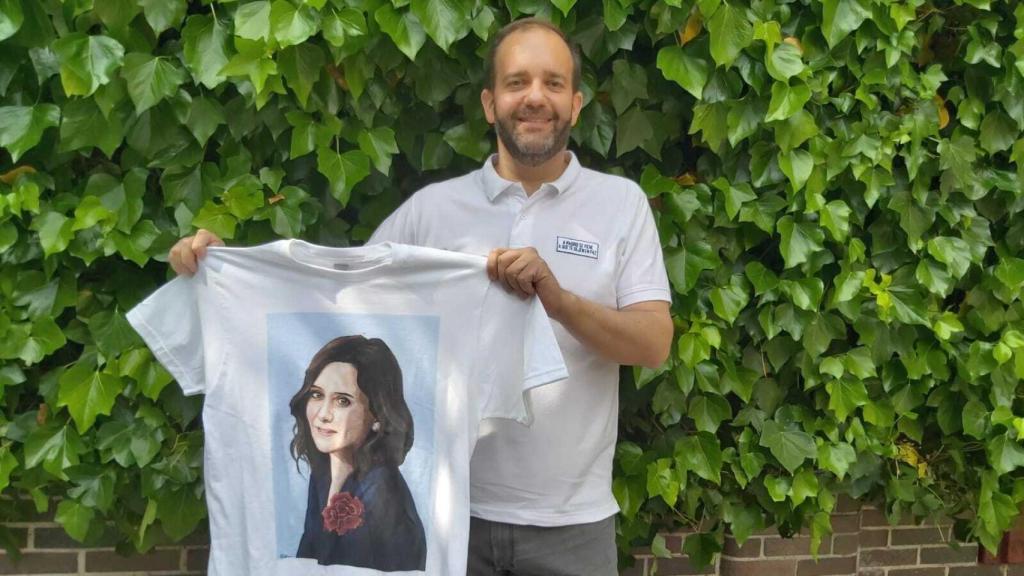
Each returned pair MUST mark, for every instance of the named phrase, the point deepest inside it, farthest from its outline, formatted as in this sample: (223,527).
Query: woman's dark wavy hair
(380,379)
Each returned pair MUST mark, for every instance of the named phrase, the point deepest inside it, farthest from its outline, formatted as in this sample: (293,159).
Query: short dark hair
(379,377)
(526,24)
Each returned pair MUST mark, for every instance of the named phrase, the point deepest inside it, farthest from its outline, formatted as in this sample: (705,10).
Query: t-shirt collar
(494,184)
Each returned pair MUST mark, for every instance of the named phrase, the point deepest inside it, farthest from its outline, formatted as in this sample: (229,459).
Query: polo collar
(494,184)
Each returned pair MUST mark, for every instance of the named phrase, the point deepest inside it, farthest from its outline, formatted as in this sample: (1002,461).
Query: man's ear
(577,105)
(487,102)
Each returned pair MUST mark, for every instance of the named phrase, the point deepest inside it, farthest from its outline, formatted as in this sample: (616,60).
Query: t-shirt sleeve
(642,275)
(169,322)
(517,352)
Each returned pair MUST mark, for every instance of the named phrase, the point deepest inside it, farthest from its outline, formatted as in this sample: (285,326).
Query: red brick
(102,561)
(871,572)
(846,504)
(1015,570)
(845,523)
(967,554)
(40,563)
(844,544)
(888,557)
(751,548)
(933,571)
(46,538)
(917,536)
(679,566)
(827,567)
(196,559)
(975,571)
(874,538)
(795,546)
(730,567)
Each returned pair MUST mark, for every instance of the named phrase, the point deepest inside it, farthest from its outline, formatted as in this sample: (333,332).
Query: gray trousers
(499,549)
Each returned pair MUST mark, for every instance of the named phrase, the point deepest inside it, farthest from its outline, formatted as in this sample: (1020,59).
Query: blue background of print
(292,340)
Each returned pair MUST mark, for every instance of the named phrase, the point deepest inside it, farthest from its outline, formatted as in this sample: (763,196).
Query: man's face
(533,105)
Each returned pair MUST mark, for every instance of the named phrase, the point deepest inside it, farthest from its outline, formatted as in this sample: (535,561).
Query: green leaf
(795,130)
(1004,454)
(87,394)
(840,17)
(179,512)
(837,458)
(735,195)
(341,25)
(954,252)
(702,455)
(217,219)
(446,21)
(701,548)
(343,171)
(761,277)
(205,46)
(784,61)
(845,396)
(708,412)
(729,301)
(205,115)
(731,32)
(8,464)
(787,100)
(778,487)
(55,232)
(251,61)
(684,264)
(21,127)
(466,140)
(998,132)
(805,485)
(1010,271)
(83,126)
(163,14)
(76,518)
(934,277)
(55,446)
(87,62)
(799,241)
(244,197)
(632,130)
(379,145)
(663,481)
(790,447)
(291,25)
(975,419)
(252,20)
(302,66)
(629,82)
(404,29)
(797,166)
(150,79)
(11,18)
(683,68)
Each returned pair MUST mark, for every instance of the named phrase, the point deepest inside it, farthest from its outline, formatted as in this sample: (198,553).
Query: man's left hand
(524,272)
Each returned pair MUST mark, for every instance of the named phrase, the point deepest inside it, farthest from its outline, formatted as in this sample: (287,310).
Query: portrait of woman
(353,428)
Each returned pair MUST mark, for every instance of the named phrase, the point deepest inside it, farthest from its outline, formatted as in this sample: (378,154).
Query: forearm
(638,335)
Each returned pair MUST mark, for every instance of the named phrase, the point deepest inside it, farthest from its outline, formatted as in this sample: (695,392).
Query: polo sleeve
(642,275)
(169,322)
(517,352)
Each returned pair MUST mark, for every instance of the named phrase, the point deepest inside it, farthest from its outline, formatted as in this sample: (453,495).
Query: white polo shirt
(597,234)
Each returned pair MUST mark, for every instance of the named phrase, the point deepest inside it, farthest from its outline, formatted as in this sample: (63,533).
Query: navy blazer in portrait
(391,537)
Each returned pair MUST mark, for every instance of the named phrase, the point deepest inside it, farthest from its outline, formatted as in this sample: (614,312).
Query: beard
(532,151)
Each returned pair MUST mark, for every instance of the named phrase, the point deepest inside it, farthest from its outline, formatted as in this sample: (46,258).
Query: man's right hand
(186,253)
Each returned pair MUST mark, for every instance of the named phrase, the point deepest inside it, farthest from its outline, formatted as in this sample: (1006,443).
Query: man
(585,244)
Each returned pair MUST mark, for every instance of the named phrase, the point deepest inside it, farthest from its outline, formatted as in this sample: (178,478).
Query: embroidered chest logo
(576,247)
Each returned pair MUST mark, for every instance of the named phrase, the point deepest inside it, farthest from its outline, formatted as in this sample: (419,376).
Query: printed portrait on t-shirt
(355,482)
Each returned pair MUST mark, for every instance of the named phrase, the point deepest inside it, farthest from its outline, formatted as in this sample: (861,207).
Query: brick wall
(862,544)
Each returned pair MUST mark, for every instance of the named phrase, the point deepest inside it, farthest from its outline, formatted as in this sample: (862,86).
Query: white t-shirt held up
(243,331)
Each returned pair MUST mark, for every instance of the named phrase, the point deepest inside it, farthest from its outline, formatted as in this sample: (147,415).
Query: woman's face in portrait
(337,410)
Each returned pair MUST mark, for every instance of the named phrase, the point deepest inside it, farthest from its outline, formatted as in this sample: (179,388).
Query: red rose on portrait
(343,514)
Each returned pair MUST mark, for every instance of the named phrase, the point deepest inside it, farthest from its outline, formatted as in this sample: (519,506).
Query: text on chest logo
(576,247)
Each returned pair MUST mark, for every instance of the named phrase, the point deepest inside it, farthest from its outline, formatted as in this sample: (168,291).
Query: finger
(492,263)
(186,256)
(518,275)
(504,261)
(202,240)
(174,259)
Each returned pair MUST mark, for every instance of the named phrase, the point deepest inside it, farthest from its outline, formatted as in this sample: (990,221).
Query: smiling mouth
(324,431)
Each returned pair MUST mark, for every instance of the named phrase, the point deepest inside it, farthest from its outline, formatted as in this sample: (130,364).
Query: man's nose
(536,91)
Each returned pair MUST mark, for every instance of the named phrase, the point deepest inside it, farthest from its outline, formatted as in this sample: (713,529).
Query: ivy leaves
(21,127)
